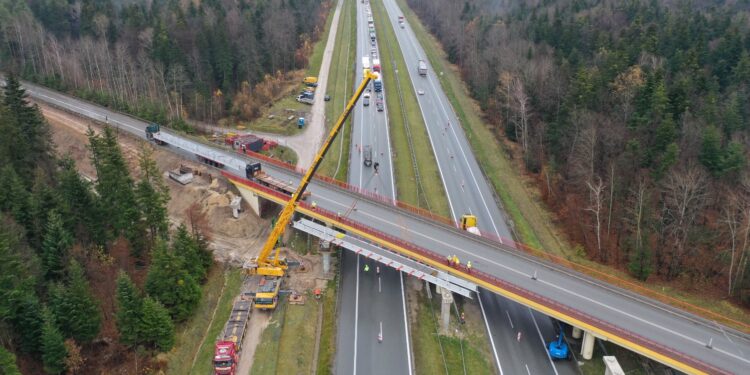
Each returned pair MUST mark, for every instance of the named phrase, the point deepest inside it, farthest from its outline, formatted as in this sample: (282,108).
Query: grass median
(194,349)
(418,179)
(340,83)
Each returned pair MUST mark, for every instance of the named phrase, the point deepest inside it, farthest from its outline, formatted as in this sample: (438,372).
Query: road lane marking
(511,321)
(356,317)
(543,343)
(527,368)
(406,323)
(489,334)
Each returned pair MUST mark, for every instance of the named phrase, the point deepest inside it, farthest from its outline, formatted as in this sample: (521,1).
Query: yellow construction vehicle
(469,224)
(273,268)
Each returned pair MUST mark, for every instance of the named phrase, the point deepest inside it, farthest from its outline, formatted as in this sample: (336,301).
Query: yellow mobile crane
(273,269)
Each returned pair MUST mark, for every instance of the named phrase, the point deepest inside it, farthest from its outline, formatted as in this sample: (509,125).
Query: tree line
(163,60)
(57,232)
(634,116)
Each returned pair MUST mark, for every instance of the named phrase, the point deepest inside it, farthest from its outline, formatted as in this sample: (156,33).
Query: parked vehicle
(378,84)
(366,101)
(310,81)
(376,65)
(379,105)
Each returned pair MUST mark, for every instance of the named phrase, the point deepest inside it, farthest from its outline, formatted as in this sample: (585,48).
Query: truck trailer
(227,348)
(255,173)
(422,67)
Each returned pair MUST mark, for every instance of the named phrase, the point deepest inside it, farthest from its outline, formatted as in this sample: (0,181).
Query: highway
(469,192)
(670,335)
(369,303)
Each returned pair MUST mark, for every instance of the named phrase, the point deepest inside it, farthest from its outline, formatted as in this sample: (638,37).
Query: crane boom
(275,266)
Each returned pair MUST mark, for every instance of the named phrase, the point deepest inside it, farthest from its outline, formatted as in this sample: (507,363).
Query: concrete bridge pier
(587,348)
(577,333)
(445,308)
(325,251)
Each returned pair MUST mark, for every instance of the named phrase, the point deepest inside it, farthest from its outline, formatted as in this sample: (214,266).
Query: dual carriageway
(661,332)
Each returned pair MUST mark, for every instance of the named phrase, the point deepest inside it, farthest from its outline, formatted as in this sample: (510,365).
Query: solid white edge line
(356,317)
(489,334)
(552,363)
(406,323)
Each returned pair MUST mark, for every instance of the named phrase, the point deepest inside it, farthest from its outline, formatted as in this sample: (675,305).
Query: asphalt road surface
(678,333)
(371,302)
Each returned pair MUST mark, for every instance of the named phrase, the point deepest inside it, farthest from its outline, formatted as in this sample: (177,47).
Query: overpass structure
(661,332)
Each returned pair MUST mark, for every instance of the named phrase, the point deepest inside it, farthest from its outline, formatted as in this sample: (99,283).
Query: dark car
(367,156)
(379,105)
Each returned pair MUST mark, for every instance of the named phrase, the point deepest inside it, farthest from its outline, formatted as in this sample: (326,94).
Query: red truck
(227,348)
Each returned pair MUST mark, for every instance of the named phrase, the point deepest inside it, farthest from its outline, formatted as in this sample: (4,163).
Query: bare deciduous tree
(596,203)
(684,197)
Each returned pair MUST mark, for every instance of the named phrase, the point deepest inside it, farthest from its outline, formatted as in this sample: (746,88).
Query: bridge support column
(587,349)
(445,308)
(325,251)
(577,332)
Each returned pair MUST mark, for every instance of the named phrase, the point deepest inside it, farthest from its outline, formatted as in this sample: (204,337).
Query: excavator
(273,268)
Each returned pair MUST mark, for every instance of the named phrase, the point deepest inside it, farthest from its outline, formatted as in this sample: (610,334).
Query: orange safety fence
(502,284)
(618,281)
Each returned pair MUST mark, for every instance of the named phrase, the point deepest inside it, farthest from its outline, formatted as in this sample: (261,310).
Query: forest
(633,116)
(163,60)
(91,276)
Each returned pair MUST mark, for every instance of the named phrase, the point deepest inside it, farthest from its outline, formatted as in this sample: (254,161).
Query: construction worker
(455,261)
(367,267)
(450,260)
(468,266)
(375,166)
(314,205)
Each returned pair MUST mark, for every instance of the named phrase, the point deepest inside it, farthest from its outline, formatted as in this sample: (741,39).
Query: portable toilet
(301,122)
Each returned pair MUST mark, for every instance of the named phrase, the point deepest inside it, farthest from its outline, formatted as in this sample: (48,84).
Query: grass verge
(436,353)
(282,153)
(201,329)
(532,222)
(280,118)
(266,358)
(287,345)
(316,59)
(420,186)
(327,349)
(340,84)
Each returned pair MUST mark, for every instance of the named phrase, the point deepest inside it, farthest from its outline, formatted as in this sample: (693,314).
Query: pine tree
(81,205)
(152,195)
(8,363)
(53,346)
(77,311)
(14,198)
(114,184)
(34,142)
(195,255)
(156,325)
(129,310)
(57,243)
(27,321)
(170,282)
(711,153)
